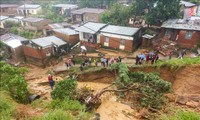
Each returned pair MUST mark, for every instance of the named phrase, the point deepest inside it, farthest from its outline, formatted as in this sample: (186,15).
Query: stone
(192,104)
(181,99)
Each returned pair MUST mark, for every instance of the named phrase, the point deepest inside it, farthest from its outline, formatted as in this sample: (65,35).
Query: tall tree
(163,10)
(118,14)
(95,3)
(156,11)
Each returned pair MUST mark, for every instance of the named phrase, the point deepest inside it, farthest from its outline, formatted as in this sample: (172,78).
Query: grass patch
(175,64)
(39,103)
(182,115)
(66,105)
(7,106)
(57,114)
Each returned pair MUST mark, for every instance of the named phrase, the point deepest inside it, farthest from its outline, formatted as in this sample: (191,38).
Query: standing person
(170,54)
(106,59)
(119,59)
(51,82)
(81,67)
(95,62)
(183,52)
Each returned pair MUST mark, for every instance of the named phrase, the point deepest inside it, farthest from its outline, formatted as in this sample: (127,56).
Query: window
(122,42)
(188,34)
(86,35)
(106,40)
(167,32)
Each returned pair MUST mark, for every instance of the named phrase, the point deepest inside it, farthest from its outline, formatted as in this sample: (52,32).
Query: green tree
(95,3)
(156,12)
(12,80)
(66,89)
(118,14)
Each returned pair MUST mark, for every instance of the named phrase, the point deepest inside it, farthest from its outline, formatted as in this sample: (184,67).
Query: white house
(28,9)
(65,8)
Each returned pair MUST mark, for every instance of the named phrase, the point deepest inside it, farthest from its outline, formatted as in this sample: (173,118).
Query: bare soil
(186,81)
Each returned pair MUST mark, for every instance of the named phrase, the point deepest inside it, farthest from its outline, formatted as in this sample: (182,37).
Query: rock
(171,97)
(143,113)
(192,104)
(181,99)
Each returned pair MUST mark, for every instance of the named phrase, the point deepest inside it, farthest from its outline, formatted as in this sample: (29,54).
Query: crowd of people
(151,57)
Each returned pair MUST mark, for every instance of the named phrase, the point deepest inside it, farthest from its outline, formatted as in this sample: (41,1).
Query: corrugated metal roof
(3,17)
(31,19)
(7,5)
(19,17)
(10,36)
(48,41)
(187,4)
(88,10)
(182,24)
(67,31)
(67,6)
(120,30)
(28,6)
(13,43)
(90,27)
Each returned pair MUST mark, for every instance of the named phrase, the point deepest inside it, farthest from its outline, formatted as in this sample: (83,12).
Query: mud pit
(185,82)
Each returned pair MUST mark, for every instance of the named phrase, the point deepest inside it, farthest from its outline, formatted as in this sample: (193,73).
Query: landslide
(185,81)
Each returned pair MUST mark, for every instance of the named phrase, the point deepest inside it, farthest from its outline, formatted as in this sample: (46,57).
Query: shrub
(65,89)
(12,81)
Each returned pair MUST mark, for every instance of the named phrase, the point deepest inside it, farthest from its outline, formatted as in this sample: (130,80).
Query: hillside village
(94,43)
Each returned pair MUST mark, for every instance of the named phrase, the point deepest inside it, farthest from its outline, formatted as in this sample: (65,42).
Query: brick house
(87,14)
(39,50)
(29,9)
(35,24)
(14,46)
(185,32)
(68,35)
(89,33)
(8,9)
(65,9)
(118,37)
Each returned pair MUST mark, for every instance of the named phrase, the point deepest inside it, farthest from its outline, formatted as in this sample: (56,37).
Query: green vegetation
(95,3)
(12,80)
(156,12)
(9,24)
(7,106)
(67,104)
(198,45)
(149,85)
(118,15)
(182,115)
(26,33)
(175,64)
(66,89)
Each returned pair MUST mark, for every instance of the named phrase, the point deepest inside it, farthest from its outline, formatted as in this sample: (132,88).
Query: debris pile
(165,47)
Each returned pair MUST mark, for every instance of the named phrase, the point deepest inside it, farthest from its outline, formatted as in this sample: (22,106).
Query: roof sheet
(9,36)
(90,27)
(13,43)
(67,31)
(19,17)
(7,5)
(67,6)
(187,4)
(3,17)
(31,19)
(120,30)
(88,10)
(47,41)
(28,6)
(182,24)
